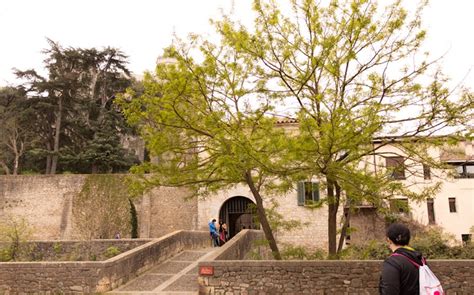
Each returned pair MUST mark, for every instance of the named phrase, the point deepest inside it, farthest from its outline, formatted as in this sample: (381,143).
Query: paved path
(177,275)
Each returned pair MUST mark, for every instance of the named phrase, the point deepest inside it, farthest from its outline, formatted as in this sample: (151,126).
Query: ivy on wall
(102,208)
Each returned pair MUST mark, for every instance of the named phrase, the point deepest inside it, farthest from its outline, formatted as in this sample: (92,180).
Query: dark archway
(236,212)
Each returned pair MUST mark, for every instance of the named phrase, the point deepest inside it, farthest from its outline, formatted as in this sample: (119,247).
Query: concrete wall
(92,277)
(320,277)
(45,202)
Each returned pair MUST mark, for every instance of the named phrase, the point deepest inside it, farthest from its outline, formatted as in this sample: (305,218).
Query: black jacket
(399,275)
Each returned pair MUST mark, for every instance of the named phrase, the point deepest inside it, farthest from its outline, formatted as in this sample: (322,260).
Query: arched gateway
(236,212)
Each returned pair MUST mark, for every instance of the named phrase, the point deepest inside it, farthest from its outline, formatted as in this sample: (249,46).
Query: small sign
(206,270)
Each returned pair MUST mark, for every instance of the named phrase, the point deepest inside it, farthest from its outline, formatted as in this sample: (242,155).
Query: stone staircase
(177,275)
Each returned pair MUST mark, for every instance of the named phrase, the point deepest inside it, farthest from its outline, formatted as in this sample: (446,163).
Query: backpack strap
(423,261)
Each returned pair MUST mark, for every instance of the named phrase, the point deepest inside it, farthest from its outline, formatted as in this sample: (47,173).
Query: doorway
(237,213)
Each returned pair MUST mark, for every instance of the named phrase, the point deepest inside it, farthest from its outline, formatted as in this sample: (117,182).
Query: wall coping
(110,261)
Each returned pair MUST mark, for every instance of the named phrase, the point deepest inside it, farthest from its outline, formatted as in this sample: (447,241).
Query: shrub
(15,233)
(111,252)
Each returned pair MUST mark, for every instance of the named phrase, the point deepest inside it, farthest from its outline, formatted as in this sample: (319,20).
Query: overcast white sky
(142,28)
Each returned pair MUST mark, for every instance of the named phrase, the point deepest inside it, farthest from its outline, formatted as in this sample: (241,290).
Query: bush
(111,252)
(372,250)
(14,233)
(300,253)
(432,242)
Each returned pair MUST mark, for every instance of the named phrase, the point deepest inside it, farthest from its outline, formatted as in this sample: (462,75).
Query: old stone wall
(166,209)
(46,203)
(71,250)
(311,234)
(92,277)
(320,277)
(238,247)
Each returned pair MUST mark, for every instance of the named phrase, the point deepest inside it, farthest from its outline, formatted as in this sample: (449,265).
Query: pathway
(177,275)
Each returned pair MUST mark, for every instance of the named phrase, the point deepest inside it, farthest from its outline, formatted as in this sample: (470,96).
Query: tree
(75,118)
(15,134)
(207,124)
(355,72)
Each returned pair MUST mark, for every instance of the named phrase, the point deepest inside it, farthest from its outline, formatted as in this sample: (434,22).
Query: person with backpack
(405,271)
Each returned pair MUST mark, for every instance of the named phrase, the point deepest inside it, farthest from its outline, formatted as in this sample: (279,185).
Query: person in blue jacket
(214,234)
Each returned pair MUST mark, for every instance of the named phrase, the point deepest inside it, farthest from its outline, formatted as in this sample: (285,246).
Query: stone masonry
(45,202)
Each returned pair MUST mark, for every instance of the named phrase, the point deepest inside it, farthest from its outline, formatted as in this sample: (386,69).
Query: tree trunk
(48,159)
(18,152)
(334,195)
(54,159)
(343,235)
(263,217)
(5,167)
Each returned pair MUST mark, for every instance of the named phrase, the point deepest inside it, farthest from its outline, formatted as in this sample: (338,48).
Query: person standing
(399,275)
(213,233)
(223,234)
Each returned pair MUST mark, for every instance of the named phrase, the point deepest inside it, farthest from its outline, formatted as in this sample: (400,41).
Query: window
(466,239)
(308,192)
(431,215)
(464,170)
(396,167)
(426,172)
(452,205)
(399,206)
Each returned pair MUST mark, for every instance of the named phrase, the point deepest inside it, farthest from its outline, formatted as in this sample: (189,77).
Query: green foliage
(370,250)
(348,68)
(133,220)
(57,248)
(76,98)
(431,242)
(301,253)
(111,252)
(14,233)
(102,206)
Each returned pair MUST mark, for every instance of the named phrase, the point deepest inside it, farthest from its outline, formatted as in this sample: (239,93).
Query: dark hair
(399,234)
(213,220)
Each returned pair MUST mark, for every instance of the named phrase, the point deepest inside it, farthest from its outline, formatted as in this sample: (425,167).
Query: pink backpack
(429,283)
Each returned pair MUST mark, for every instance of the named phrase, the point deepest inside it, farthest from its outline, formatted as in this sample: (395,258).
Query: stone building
(46,201)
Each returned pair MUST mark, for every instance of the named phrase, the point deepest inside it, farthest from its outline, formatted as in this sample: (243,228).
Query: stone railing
(225,273)
(95,276)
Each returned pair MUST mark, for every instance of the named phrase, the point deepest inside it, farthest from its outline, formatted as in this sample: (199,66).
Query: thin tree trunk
(343,235)
(334,195)
(48,159)
(263,217)
(5,167)
(59,114)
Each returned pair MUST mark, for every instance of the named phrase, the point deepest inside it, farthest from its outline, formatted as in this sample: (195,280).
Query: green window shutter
(315,191)
(300,191)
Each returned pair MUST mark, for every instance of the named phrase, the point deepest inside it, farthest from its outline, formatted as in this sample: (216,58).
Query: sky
(142,28)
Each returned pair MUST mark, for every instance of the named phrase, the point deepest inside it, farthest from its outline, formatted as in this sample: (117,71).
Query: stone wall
(312,233)
(45,202)
(71,250)
(320,277)
(164,210)
(91,277)
(238,247)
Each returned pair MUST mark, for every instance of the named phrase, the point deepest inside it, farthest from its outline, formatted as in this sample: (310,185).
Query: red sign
(206,270)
